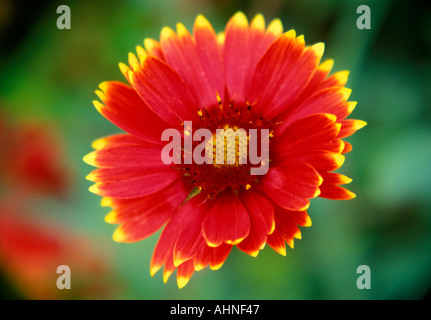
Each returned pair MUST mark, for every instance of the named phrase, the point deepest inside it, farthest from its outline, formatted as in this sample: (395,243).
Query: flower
(31,252)
(252,77)
(31,159)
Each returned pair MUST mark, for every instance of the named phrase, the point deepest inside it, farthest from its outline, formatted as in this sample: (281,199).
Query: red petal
(120,140)
(219,255)
(165,246)
(184,273)
(262,222)
(286,222)
(236,55)
(143,216)
(335,192)
(330,100)
(209,54)
(182,54)
(227,221)
(243,48)
(123,107)
(154,49)
(282,73)
(127,156)
(321,160)
(347,147)
(215,257)
(136,186)
(191,235)
(164,91)
(291,186)
(259,42)
(315,132)
(167,199)
(335,178)
(276,241)
(350,126)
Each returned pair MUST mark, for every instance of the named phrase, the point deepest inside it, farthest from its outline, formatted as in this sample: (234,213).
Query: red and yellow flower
(31,252)
(249,76)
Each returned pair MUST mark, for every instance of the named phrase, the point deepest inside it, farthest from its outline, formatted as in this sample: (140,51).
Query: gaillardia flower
(248,77)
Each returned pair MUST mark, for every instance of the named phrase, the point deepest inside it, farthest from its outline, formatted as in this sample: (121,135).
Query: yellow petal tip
(106,202)
(275,27)
(182,281)
(166,34)
(90,159)
(258,22)
(99,144)
(319,49)
(111,217)
(239,19)
(119,235)
(91,177)
(98,105)
(342,77)
(94,189)
(351,105)
(326,65)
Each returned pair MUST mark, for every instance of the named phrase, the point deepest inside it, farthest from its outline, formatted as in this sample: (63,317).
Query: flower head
(31,159)
(250,77)
(31,252)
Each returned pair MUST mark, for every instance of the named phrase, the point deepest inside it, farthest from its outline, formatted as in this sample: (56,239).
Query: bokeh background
(47,123)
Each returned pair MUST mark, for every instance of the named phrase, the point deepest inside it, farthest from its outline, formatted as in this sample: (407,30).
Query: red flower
(251,77)
(30,254)
(31,159)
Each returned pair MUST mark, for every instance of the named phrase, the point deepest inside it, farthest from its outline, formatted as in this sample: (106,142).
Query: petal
(259,42)
(315,132)
(347,147)
(184,273)
(212,256)
(262,222)
(276,241)
(191,235)
(330,187)
(128,168)
(164,91)
(137,184)
(282,73)
(335,178)
(318,82)
(140,156)
(209,53)
(287,222)
(244,46)
(123,107)
(236,55)
(227,221)
(163,253)
(119,140)
(154,48)
(350,126)
(330,100)
(291,186)
(143,216)
(128,209)
(183,54)
(333,192)
(321,160)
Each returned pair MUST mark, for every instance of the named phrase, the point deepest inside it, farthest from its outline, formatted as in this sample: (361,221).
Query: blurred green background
(49,76)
